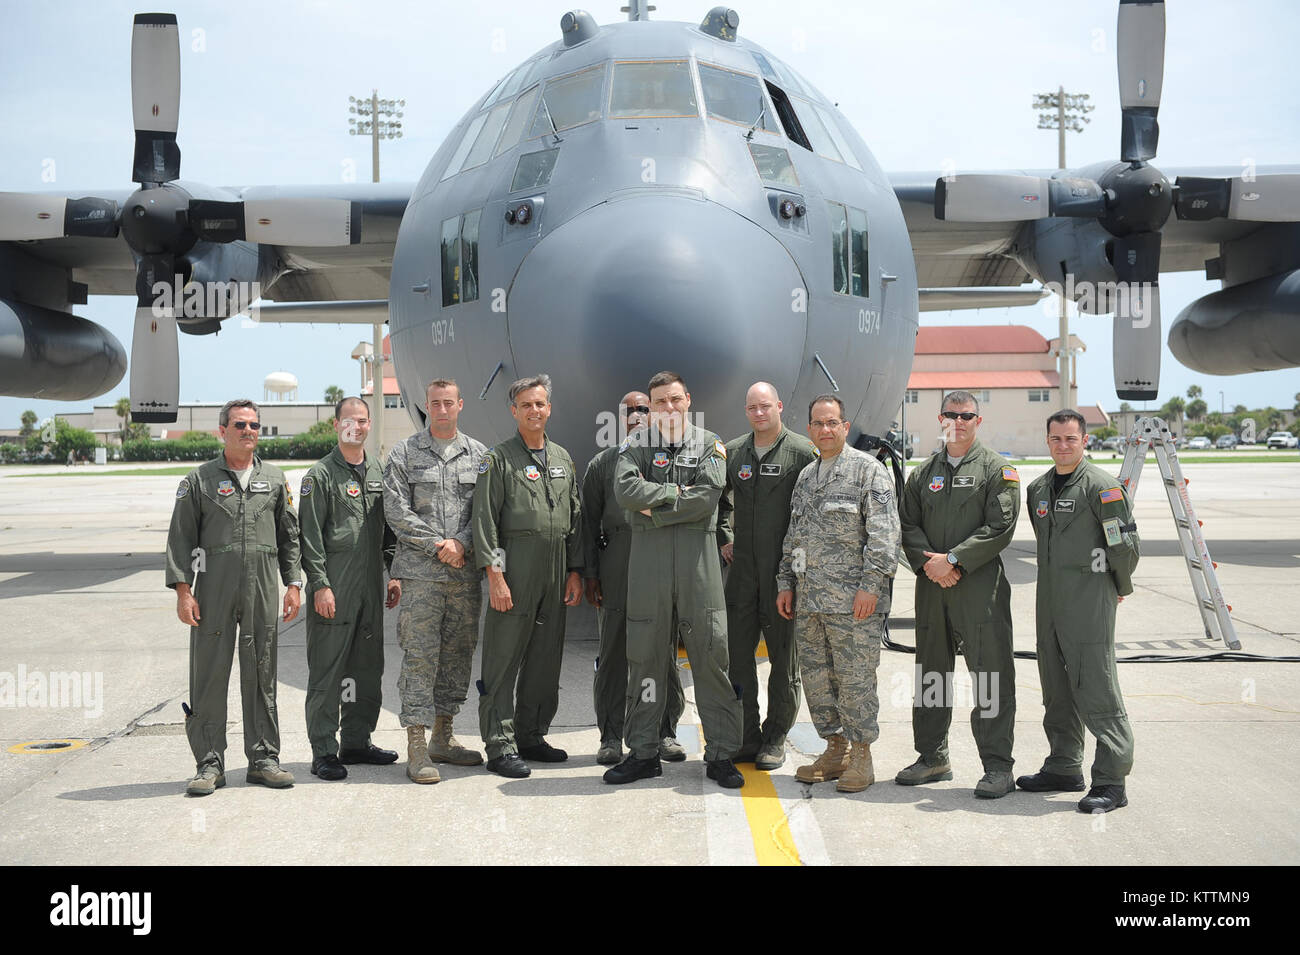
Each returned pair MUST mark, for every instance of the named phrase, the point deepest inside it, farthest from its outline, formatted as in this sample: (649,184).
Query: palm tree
(29,421)
(333,395)
(1194,391)
(122,408)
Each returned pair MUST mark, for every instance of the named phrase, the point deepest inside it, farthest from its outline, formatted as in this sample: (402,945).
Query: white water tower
(280,386)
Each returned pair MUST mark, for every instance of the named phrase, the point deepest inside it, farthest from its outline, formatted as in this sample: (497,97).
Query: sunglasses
(635,409)
(250,425)
(964,415)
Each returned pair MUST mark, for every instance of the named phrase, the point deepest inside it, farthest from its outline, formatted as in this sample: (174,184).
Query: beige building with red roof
(1010,369)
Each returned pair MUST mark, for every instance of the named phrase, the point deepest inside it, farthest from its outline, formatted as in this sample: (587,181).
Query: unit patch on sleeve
(721,449)
(182,489)
(305,490)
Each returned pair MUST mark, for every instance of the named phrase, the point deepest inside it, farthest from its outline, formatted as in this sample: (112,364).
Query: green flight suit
(526,522)
(969,511)
(675,588)
(606,549)
(226,543)
(346,545)
(754,515)
(1088,548)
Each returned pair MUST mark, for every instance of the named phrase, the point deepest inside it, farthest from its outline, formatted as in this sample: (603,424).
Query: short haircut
(523,384)
(338,408)
(666,378)
(224,418)
(1068,414)
(441,383)
(959,398)
(820,398)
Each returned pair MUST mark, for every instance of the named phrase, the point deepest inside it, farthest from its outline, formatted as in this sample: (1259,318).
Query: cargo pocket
(716,620)
(1096,682)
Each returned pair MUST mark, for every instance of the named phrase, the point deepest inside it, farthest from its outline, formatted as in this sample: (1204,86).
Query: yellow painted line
(773,843)
(43,746)
(760,652)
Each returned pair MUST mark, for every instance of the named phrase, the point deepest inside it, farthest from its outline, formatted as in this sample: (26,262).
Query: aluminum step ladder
(1153,433)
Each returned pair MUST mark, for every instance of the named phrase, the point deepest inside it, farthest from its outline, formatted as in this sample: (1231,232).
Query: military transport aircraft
(641,195)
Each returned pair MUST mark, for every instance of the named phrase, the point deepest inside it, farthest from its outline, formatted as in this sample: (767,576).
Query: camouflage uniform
(606,550)
(1087,550)
(843,538)
(244,534)
(754,514)
(526,519)
(345,547)
(427,497)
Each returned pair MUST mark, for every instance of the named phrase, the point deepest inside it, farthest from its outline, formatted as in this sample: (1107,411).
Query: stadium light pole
(381,119)
(1062,111)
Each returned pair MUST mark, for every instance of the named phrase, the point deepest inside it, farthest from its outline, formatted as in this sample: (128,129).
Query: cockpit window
(466,142)
(481,151)
(833,128)
(735,97)
(520,116)
(534,169)
(777,72)
(460,258)
(570,101)
(658,89)
(848,250)
(822,143)
(516,81)
(773,164)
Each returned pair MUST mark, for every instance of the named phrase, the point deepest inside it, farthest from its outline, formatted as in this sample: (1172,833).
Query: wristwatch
(952,558)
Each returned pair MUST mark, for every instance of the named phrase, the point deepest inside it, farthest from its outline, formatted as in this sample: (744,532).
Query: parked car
(1092,443)
(1116,443)
(1227,441)
(1201,443)
(1282,439)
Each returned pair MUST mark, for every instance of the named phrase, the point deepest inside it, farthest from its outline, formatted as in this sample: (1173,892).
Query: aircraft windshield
(519,119)
(773,164)
(570,101)
(658,89)
(735,97)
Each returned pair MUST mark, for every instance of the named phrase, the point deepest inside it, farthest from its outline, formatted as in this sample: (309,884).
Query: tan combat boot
(418,767)
(443,747)
(829,765)
(860,774)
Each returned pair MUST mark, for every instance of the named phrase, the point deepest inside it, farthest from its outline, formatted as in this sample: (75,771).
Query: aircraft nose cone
(635,286)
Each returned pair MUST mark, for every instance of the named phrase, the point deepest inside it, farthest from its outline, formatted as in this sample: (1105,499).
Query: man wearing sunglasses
(958,512)
(232,525)
(607,548)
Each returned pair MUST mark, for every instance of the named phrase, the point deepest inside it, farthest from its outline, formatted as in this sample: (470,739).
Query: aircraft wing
(953,254)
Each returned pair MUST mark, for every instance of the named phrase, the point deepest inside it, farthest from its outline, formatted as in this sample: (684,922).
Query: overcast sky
(264,90)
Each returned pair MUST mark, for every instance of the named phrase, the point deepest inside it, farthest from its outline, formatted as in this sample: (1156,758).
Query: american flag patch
(1010,474)
(1111,495)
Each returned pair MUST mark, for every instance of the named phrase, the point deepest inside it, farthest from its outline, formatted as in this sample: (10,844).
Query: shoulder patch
(305,488)
(484,464)
(624,446)
(721,449)
(1111,495)
(288,493)
(1010,474)
(182,489)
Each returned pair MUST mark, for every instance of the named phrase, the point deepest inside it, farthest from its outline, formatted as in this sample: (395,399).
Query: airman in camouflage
(839,553)
(428,494)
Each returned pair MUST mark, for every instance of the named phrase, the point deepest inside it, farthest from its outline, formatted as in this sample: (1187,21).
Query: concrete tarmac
(91,653)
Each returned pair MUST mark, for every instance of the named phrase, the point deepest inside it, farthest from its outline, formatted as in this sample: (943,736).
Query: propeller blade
(156,97)
(305,222)
(29,216)
(1140,49)
(1269,198)
(155,355)
(991,198)
(1136,340)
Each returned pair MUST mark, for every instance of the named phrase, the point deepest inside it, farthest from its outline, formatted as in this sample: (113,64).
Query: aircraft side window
(774,71)
(839,247)
(460,258)
(659,89)
(570,101)
(450,261)
(481,151)
(858,276)
(520,116)
(735,98)
(828,121)
(469,256)
(534,169)
(466,143)
(822,144)
(516,81)
(773,164)
(785,112)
